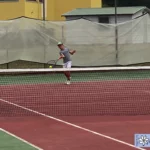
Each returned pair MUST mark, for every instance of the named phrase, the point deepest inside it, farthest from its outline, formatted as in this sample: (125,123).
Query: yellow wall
(96,3)
(51,9)
(54,8)
(63,6)
(9,10)
(33,10)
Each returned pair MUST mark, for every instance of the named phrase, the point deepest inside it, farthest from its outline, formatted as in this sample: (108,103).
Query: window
(103,19)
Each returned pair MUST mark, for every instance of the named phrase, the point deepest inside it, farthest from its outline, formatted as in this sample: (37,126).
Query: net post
(116,33)
(7,65)
(44,55)
(44,19)
(145,32)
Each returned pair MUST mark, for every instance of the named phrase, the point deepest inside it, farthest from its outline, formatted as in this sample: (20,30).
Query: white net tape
(91,69)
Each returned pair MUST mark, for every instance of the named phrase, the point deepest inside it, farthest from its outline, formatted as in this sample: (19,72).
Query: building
(105,15)
(10,9)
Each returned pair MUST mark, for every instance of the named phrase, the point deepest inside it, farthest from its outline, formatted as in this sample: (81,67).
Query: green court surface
(37,78)
(11,142)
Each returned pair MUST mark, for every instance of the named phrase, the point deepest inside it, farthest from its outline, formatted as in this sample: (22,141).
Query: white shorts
(67,65)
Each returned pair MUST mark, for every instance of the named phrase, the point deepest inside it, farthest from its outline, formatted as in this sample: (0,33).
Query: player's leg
(67,73)
(65,66)
(69,64)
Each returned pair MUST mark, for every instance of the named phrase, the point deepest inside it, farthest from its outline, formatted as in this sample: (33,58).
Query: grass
(10,142)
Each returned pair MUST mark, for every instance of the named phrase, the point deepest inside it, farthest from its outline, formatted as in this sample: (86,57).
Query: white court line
(73,125)
(24,141)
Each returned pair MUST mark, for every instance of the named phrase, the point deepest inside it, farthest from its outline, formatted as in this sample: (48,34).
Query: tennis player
(65,55)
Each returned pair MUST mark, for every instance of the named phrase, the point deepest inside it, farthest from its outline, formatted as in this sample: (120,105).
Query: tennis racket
(53,63)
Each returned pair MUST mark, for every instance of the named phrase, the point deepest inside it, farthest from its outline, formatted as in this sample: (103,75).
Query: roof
(104,11)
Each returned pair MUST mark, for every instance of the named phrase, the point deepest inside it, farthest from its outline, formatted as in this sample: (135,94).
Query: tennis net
(93,91)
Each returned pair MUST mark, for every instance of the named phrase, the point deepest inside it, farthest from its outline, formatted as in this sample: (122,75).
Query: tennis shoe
(68,82)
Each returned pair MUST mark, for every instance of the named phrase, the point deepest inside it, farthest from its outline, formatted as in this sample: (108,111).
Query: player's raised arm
(72,52)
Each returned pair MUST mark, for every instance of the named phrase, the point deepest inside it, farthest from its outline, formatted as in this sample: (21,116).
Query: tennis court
(102,108)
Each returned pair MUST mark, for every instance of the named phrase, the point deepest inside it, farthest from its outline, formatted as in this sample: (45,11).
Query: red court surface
(86,103)
(49,134)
